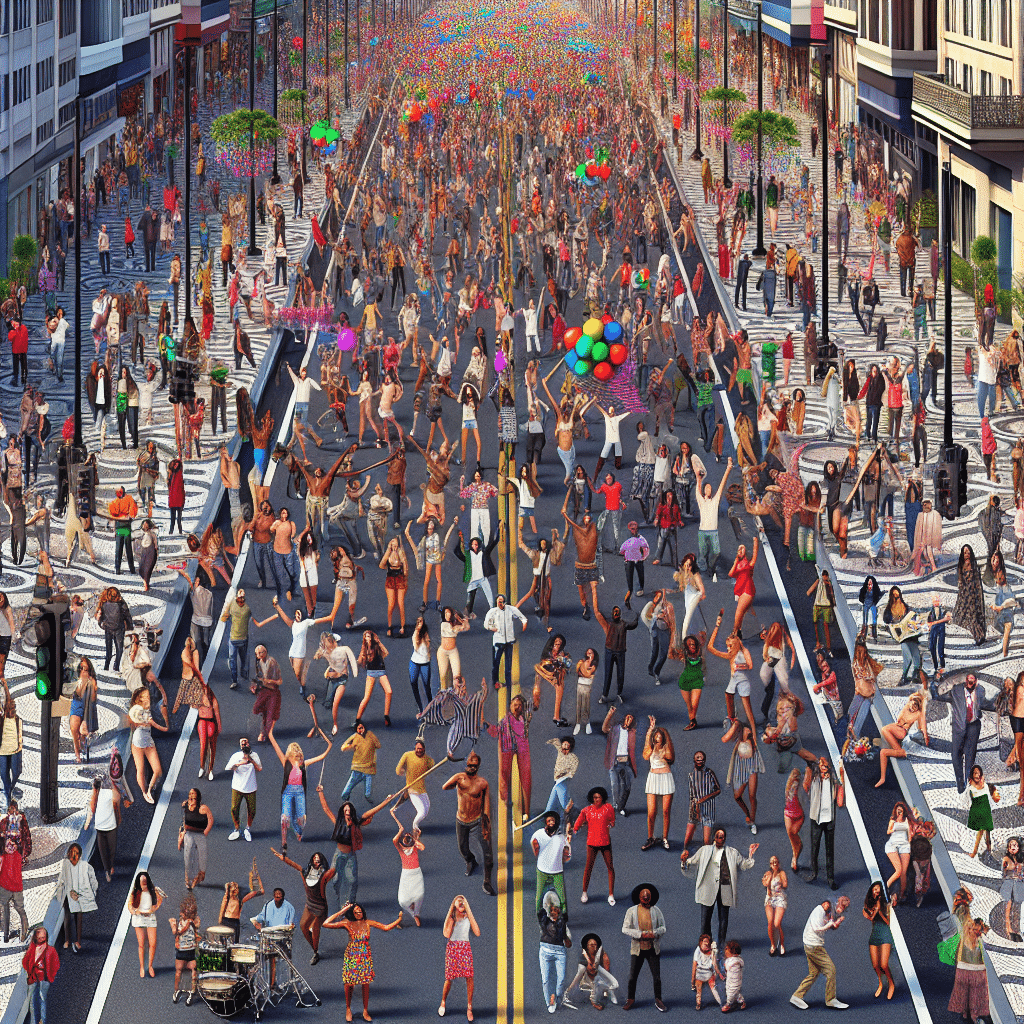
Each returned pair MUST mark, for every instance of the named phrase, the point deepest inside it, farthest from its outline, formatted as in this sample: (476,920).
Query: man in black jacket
(966,703)
(149,230)
(742,272)
(479,568)
(615,630)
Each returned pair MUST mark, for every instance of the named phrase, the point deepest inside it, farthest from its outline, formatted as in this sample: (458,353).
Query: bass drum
(225,994)
(211,957)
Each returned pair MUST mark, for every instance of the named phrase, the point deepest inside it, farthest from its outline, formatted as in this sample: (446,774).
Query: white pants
(532,343)
(480,524)
(421,801)
(692,598)
(484,585)
(781,670)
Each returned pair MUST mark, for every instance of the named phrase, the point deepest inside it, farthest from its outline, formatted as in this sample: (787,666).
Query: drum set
(236,976)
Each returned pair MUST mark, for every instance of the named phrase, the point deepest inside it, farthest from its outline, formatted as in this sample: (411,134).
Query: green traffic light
(44,686)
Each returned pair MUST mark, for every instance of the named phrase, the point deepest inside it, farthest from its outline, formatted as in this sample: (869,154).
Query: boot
(874,630)
(618,462)
(597,472)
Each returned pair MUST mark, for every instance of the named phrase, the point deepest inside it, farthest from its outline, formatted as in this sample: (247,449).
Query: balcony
(971,119)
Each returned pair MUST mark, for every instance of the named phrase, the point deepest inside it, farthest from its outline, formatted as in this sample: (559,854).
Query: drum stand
(296,984)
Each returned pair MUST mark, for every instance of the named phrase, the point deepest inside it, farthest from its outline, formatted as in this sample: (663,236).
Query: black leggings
(635,963)
(176,517)
(106,843)
(76,916)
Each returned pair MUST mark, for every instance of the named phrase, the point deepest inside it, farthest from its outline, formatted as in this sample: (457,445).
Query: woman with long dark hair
(372,657)
(660,755)
(315,877)
(876,910)
(175,492)
(144,902)
(553,665)
(82,718)
(969,610)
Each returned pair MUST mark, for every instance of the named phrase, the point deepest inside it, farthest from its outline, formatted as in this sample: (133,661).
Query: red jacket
(668,515)
(988,439)
(43,969)
(19,343)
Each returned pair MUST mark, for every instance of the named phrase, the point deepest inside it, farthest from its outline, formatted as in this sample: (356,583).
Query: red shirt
(19,343)
(612,496)
(597,821)
(668,516)
(40,965)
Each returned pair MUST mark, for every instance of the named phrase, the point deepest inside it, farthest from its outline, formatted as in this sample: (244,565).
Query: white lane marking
(106,979)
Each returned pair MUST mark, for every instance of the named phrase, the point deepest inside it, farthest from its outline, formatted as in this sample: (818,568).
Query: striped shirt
(463,717)
(635,549)
(703,782)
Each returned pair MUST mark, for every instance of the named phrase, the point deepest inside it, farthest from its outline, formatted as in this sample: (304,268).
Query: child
(705,968)
(186,932)
(988,449)
(733,978)
(969,365)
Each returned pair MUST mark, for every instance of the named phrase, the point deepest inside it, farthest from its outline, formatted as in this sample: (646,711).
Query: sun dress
(357,967)
(458,954)
(980,817)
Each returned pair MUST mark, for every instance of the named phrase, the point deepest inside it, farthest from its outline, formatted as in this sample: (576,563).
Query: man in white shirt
(341,666)
(303,384)
(827,796)
(552,848)
(532,336)
(612,438)
(818,960)
(501,621)
(708,501)
(243,764)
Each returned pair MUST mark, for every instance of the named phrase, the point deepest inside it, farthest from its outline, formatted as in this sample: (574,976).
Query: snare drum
(220,935)
(211,957)
(277,940)
(225,994)
(243,955)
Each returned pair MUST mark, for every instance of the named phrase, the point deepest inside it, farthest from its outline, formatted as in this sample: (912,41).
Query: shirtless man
(285,560)
(585,535)
(473,817)
(390,392)
(742,371)
(438,477)
(230,477)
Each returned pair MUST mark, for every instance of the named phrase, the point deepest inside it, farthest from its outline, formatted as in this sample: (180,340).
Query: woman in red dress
(742,572)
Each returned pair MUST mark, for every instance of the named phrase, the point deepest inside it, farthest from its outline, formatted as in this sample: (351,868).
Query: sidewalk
(118,468)
(932,764)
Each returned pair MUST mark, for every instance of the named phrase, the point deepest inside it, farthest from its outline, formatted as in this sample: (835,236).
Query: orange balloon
(572,335)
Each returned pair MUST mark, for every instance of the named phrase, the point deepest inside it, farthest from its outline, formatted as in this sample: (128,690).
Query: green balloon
(599,352)
(584,347)
(582,368)
(581,170)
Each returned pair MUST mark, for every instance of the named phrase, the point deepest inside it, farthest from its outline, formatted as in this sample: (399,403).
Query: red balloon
(607,318)
(604,371)
(572,335)
(605,172)
(617,354)
(591,171)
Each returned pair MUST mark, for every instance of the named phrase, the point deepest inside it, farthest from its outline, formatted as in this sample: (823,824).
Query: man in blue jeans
(238,641)
(708,547)
(58,328)
(364,746)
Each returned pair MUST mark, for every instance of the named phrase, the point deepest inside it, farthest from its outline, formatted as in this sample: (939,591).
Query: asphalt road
(409,963)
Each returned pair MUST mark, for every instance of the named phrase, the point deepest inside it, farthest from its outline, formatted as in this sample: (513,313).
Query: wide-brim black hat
(597,789)
(635,894)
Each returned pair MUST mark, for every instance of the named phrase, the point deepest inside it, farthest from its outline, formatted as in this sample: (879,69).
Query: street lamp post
(675,51)
(187,60)
(305,86)
(78,275)
(697,153)
(327,62)
(726,180)
(825,54)
(760,251)
(253,249)
(348,101)
(275,178)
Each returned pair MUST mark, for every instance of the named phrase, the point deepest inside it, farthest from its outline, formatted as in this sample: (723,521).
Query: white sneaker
(576,731)
(837,1005)
(753,829)
(210,775)
(714,577)
(590,728)
(248,836)
(611,900)
(234,835)
(584,897)
(201,774)
(798,1002)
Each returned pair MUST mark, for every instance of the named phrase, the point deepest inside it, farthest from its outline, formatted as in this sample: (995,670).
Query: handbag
(760,281)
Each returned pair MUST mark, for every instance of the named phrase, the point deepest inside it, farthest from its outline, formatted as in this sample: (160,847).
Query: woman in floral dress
(357,967)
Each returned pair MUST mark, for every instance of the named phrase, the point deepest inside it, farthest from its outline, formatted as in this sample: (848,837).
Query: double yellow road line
(510,843)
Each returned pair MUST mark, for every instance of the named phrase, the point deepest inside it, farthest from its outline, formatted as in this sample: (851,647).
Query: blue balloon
(612,331)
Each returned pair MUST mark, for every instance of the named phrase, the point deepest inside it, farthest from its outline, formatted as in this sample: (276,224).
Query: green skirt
(980,817)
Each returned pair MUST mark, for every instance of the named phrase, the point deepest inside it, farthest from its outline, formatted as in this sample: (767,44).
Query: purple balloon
(346,339)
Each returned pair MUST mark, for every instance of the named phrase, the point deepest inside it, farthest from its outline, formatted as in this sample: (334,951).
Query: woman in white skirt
(309,576)
(411,888)
(660,754)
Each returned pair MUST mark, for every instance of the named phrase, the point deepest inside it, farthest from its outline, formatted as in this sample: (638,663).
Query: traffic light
(47,654)
(951,479)
(183,382)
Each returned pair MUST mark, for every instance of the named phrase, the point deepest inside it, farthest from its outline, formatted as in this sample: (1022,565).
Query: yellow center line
(517,842)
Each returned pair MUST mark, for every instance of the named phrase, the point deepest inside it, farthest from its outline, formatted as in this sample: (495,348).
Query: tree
(983,249)
(777,130)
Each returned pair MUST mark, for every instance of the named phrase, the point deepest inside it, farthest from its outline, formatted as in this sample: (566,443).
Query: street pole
(675,51)
(187,55)
(824,201)
(760,252)
(348,101)
(697,153)
(253,250)
(78,278)
(654,36)
(327,62)
(275,178)
(947,281)
(726,181)
(305,45)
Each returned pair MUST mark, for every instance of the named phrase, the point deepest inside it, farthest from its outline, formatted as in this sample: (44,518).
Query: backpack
(116,768)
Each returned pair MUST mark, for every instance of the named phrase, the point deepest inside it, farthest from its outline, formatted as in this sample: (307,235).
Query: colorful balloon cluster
(641,279)
(595,169)
(596,348)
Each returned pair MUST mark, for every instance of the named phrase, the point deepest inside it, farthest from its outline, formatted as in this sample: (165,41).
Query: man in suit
(717,869)
(742,273)
(966,702)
